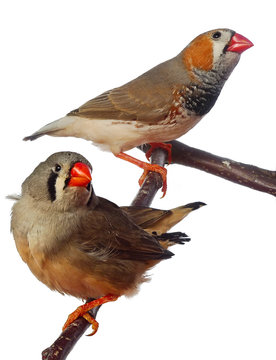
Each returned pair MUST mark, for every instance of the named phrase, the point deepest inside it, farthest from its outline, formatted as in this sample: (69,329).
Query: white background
(216,298)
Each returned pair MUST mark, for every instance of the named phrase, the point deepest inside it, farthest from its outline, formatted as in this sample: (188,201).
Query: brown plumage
(161,104)
(84,245)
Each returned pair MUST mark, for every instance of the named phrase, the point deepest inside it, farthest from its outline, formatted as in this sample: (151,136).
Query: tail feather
(160,221)
(35,136)
(51,129)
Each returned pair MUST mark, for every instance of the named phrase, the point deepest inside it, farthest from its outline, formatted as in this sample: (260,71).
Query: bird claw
(160,170)
(165,146)
(93,322)
(147,167)
(142,177)
(83,311)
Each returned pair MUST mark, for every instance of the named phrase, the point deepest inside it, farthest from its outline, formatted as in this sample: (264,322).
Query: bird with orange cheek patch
(80,244)
(159,106)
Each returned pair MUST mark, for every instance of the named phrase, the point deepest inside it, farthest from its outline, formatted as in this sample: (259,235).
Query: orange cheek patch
(199,54)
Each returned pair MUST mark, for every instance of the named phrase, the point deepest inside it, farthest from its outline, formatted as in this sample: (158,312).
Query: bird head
(62,181)
(208,62)
(216,50)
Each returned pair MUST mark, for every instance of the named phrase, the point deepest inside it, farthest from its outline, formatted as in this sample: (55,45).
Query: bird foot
(165,146)
(93,322)
(147,167)
(83,311)
(160,170)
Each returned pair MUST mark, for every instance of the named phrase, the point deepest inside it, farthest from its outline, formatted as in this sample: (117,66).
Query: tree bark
(243,174)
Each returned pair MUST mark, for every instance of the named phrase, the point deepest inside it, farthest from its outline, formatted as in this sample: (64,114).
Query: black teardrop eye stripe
(52,185)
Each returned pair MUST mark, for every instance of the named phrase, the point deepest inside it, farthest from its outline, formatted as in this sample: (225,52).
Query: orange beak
(80,175)
(239,44)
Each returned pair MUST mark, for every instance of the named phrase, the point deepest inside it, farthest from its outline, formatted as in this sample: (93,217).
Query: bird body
(52,250)
(84,245)
(119,136)
(161,104)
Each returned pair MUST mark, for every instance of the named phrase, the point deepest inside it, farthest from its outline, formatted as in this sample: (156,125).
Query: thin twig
(153,181)
(63,345)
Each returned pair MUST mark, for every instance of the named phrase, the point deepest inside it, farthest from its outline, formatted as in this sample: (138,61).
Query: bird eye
(216,35)
(57,168)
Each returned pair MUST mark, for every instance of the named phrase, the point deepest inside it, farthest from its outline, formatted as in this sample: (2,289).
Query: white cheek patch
(217,50)
(219,45)
(61,180)
(60,183)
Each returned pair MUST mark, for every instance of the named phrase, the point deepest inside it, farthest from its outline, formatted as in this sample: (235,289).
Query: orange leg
(147,167)
(164,146)
(83,311)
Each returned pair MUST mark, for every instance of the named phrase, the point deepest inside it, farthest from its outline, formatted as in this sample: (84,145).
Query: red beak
(239,44)
(80,175)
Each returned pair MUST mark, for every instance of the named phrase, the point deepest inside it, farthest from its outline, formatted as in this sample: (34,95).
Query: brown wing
(145,216)
(147,98)
(108,232)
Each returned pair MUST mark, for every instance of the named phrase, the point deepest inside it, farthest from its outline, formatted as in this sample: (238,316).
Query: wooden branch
(153,181)
(242,174)
(61,348)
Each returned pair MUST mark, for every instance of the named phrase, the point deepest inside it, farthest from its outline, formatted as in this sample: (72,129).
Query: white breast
(116,135)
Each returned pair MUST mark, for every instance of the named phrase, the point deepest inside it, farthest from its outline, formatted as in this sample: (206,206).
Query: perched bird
(158,106)
(80,244)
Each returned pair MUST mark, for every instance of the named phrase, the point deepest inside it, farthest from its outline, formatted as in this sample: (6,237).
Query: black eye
(57,168)
(216,35)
